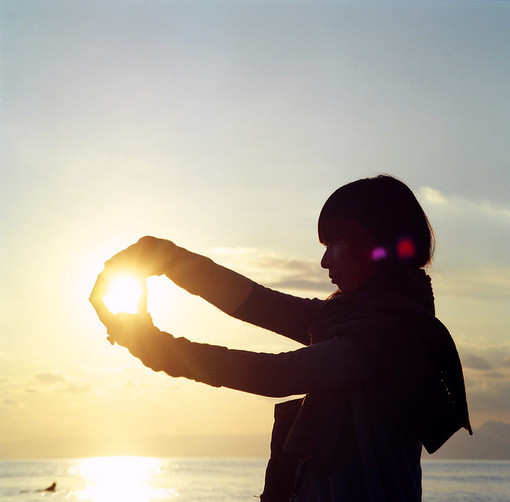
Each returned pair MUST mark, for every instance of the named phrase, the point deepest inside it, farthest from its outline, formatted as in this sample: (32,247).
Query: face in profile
(346,270)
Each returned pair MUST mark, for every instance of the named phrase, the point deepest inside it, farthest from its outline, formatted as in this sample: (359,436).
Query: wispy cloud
(275,271)
(473,241)
(487,379)
(475,282)
(489,394)
(77,388)
(461,205)
(57,382)
(476,362)
(485,356)
(50,378)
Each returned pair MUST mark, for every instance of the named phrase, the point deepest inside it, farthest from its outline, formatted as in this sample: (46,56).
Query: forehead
(346,229)
(330,231)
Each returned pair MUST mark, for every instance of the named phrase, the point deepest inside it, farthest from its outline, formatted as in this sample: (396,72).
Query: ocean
(144,479)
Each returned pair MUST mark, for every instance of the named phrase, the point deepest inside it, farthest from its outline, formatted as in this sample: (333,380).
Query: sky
(224,126)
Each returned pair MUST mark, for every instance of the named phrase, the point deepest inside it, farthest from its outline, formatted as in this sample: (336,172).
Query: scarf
(424,386)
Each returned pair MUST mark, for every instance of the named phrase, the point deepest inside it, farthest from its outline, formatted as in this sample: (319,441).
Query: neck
(397,278)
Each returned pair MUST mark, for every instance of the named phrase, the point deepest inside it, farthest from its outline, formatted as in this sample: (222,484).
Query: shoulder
(387,324)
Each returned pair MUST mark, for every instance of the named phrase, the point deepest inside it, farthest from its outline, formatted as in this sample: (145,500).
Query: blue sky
(224,126)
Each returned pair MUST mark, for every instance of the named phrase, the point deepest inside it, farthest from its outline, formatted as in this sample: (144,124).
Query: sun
(125,294)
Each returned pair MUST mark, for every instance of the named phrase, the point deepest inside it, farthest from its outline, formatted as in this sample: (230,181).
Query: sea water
(143,479)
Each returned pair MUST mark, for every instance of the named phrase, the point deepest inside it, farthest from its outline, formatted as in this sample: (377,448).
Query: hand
(149,256)
(136,332)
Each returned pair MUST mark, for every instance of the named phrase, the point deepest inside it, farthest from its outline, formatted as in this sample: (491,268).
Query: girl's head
(380,224)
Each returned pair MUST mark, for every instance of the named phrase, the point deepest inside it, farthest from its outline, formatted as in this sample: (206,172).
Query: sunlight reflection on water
(145,479)
(120,478)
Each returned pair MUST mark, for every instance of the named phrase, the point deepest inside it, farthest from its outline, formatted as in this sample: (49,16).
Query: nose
(325,259)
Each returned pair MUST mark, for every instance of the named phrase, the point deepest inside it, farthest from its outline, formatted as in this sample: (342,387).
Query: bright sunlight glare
(124,294)
(121,478)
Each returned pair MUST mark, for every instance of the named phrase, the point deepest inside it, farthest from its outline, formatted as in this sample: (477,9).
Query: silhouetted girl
(380,372)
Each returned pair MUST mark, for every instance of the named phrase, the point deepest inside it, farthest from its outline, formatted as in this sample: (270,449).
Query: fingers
(142,302)
(125,258)
(139,257)
(140,337)
(105,316)
(134,323)
(100,287)
(136,342)
(96,299)
(103,313)
(137,251)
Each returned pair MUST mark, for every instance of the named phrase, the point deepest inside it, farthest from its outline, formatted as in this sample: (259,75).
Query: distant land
(491,441)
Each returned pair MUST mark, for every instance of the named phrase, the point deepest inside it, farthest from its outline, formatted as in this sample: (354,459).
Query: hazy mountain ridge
(491,441)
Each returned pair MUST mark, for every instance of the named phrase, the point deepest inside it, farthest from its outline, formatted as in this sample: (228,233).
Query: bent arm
(242,298)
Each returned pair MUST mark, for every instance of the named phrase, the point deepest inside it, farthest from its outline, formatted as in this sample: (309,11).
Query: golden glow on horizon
(124,294)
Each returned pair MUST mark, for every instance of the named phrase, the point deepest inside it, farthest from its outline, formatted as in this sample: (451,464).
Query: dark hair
(379,218)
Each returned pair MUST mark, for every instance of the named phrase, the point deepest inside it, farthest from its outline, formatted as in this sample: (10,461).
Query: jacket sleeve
(242,298)
(339,363)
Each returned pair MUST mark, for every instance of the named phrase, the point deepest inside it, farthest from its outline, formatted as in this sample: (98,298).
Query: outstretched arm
(338,363)
(229,291)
